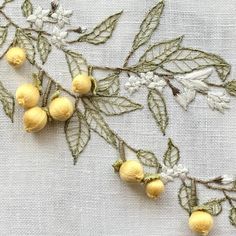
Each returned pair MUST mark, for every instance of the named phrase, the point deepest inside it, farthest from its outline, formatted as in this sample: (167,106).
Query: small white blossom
(168,174)
(58,37)
(218,101)
(227,179)
(133,84)
(39,17)
(185,98)
(152,81)
(62,16)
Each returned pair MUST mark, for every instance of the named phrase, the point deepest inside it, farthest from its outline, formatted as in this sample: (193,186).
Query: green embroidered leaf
(7,101)
(77,134)
(24,41)
(44,48)
(171,156)
(109,85)
(186,60)
(77,63)
(159,52)
(7,1)
(214,207)
(27,8)
(188,196)
(232,216)
(3,34)
(230,87)
(148,158)
(157,106)
(148,26)
(101,33)
(99,125)
(114,105)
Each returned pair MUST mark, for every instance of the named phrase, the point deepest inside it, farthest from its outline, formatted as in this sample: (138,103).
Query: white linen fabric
(42,193)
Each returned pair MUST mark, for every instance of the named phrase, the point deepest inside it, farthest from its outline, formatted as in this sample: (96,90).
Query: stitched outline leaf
(148,26)
(159,52)
(171,156)
(44,48)
(188,196)
(114,105)
(99,125)
(77,134)
(213,207)
(109,85)
(77,63)
(27,8)
(102,32)
(24,41)
(148,158)
(157,106)
(186,60)
(232,216)
(3,34)
(8,101)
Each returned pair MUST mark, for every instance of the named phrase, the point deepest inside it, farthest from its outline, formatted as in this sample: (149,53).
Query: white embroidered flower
(133,84)
(185,98)
(168,174)
(152,81)
(62,16)
(218,101)
(198,74)
(227,179)
(39,17)
(58,37)
(195,80)
(181,171)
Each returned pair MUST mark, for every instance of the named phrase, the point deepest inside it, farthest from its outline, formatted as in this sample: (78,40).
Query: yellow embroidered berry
(35,119)
(27,96)
(82,84)
(131,171)
(201,222)
(16,56)
(61,108)
(155,188)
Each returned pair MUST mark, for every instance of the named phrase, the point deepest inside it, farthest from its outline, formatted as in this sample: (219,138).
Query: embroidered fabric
(45,195)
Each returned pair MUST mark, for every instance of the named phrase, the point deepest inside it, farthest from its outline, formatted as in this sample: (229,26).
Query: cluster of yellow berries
(28,96)
(131,171)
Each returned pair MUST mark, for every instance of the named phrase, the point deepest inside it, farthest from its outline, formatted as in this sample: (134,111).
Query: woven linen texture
(42,193)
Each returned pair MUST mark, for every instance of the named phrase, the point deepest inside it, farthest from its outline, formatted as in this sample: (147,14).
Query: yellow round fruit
(155,188)
(16,56)
(201,222)
(82,84)
(35,119)
(61,108)
(27,96)
(131,171)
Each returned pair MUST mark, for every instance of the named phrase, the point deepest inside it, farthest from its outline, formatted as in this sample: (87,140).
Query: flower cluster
(149,79)
(168,174)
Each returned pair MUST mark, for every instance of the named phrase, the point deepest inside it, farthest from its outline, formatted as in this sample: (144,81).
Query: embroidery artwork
(83,108)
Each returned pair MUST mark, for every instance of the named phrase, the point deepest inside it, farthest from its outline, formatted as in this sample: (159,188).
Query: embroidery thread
(167,64)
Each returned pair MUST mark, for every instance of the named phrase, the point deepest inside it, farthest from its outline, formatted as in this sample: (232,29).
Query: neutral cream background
(42,193)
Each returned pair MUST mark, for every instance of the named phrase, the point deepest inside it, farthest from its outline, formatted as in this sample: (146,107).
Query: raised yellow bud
(27,96)
(35,119)
(82,84)
(16,56)
(61,108)
(201,222)
(131,171)
(155,188)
